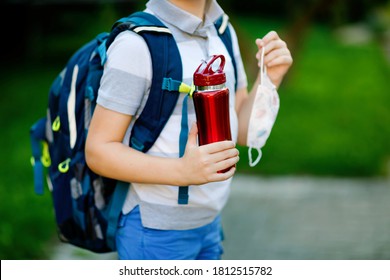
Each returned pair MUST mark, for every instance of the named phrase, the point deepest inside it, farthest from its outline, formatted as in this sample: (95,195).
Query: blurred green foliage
(26,220)
(333,121)
(334,111)
(334,12)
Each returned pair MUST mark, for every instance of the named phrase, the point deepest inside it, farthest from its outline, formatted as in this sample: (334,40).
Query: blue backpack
(87,206)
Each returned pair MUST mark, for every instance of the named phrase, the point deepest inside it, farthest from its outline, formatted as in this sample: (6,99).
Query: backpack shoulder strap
(167,63)
(223,30)
(167,66)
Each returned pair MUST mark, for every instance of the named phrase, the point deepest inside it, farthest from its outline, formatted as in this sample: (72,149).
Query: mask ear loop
(257,160)
(263,68)
(263,71)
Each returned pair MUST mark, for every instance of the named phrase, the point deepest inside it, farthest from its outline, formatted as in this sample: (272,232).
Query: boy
(153,225)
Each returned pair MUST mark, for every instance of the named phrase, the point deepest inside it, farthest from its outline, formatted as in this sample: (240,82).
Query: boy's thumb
(193,135)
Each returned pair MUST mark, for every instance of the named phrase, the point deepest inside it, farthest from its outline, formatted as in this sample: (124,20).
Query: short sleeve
(127,74)
(242,81)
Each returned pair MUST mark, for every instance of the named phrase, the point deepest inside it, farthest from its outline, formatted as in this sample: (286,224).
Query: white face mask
(264,111)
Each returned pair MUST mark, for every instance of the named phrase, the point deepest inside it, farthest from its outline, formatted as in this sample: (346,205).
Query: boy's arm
(108,156)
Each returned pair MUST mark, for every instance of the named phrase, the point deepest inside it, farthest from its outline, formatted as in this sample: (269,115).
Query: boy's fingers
(281,60)
(275,54)
(224,176)
(259,43)
(218,146)
(224,155)
(270,36)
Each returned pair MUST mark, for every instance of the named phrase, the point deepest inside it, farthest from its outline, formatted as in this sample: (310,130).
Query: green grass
(334,120)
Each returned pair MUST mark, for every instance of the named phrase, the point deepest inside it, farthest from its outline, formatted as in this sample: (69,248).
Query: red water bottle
(211,101)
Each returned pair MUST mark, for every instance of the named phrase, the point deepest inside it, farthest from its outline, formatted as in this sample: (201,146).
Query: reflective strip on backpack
(225,21)
(88,106)
(48,131)
(72,109)
(152,28)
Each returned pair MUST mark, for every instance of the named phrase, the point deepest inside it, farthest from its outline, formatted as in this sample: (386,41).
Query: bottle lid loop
(206,75)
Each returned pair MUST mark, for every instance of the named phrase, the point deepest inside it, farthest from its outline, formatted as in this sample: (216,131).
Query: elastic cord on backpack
(45,158)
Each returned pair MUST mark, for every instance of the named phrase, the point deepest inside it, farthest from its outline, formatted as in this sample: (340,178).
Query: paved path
(308,218)
(298,218)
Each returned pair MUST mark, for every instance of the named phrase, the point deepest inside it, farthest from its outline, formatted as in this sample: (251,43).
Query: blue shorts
(135,242)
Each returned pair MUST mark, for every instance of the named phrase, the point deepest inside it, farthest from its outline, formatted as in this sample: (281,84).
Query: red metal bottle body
(212,115)
(211,101)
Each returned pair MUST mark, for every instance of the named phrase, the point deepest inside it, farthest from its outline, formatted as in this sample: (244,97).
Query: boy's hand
(277,56)
(202,163)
